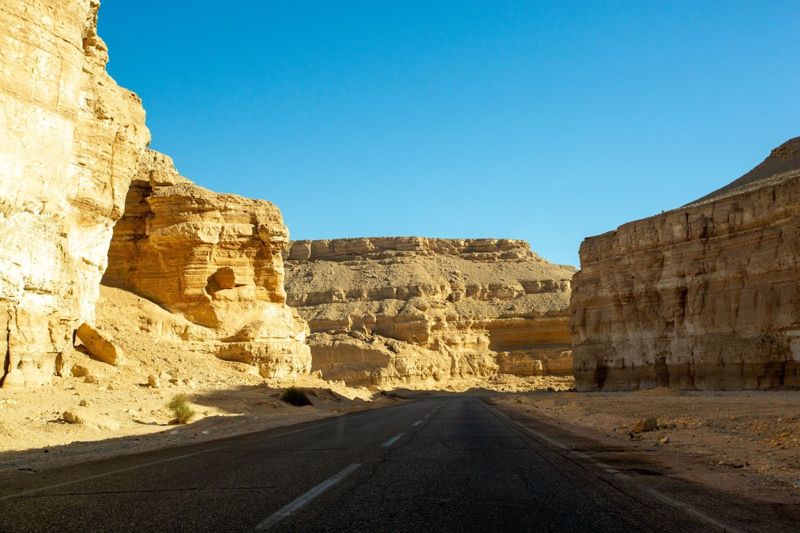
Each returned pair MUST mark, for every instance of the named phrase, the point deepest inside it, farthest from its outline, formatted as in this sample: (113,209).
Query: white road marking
(415,424)
(653,492)
(293,506)
(393,440)
(428,415)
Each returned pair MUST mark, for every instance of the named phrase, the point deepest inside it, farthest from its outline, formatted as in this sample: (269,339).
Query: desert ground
(743,441)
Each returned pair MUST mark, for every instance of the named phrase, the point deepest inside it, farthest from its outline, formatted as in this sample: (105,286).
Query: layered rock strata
(70,142)
(214,258)
(415,310)
(706,296)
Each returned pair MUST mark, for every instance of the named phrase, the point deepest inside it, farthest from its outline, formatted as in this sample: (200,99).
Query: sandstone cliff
(416,310)
(70,140)
(214,258)
(706,296)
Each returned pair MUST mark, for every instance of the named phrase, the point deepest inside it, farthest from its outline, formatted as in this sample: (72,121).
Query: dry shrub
(179,405)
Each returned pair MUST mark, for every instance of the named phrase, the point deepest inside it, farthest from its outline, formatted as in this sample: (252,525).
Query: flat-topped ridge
(379,247)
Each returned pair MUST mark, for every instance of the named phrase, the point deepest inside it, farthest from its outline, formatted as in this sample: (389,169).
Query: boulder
(99,346)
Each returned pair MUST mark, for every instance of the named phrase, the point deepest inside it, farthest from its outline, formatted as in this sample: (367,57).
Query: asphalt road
(438,464)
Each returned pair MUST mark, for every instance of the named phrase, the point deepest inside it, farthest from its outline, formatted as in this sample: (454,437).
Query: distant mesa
(412,310)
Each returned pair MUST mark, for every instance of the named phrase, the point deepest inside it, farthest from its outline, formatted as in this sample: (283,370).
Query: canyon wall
(706,296)
(214,258)
(416,310)
(70,141)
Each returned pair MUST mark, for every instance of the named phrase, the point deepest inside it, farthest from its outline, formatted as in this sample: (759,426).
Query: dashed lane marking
(297,504)
(394,439)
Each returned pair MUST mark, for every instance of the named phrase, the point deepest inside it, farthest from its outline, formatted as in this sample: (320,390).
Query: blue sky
(547,121)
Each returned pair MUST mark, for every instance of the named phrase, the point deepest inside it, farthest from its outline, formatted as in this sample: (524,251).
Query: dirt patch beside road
(744,442)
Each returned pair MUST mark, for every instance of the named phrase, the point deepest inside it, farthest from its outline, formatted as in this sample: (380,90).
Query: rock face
(706,296)
(215,259)
(70,141)
(417,310)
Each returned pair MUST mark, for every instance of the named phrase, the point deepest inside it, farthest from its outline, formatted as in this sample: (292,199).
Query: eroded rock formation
(416,310)
(706,296)
(215,259)
(70,141)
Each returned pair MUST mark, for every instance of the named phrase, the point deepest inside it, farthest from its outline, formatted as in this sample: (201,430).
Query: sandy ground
(123,419)
(744,442)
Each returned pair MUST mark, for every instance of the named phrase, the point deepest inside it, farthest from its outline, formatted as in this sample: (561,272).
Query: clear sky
(542,120)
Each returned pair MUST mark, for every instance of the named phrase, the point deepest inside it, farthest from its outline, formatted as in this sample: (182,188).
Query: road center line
(393,440)
(295,505)
(415,424)
(428,415)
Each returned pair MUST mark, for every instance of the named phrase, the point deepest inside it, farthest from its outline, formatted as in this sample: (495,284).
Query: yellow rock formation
(70,141)
(416,310)
(706,296)
(214,258)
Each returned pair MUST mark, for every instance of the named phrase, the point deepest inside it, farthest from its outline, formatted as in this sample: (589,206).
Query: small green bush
(179,405)
(295,396)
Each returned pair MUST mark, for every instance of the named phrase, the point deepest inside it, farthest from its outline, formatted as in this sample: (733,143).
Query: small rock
(663,440)
(84,403)
(153,381)
(796,484)
(79,371)
(91,379)
(644,425)
(71,418)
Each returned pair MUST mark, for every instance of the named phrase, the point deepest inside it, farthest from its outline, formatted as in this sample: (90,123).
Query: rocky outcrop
(214,258)
(417,310)
(706,296)
(70,141)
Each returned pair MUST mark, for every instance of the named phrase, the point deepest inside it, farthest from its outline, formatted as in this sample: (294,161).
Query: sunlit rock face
(70,142)
(415,310)
(215,259)
(706,296)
